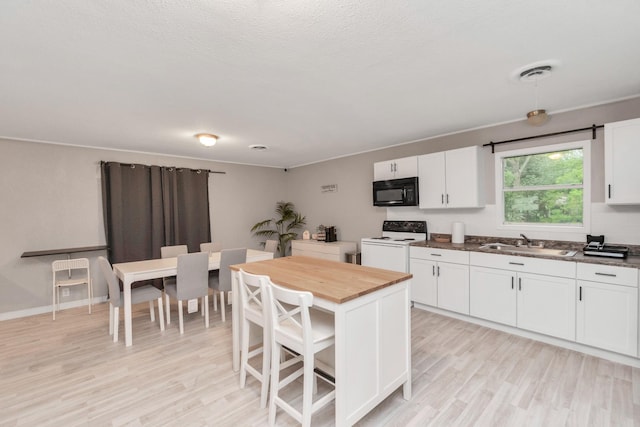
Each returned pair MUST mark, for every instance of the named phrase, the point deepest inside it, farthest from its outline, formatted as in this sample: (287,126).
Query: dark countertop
(473,245)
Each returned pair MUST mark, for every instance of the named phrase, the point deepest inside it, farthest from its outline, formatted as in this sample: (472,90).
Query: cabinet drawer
(324,248)
(444,255)
(625,276)
(524,264)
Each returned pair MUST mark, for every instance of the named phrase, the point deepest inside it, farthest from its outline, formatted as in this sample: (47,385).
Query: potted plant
(281,228)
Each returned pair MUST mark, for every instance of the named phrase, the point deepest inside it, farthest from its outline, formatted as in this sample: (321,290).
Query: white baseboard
(49,308)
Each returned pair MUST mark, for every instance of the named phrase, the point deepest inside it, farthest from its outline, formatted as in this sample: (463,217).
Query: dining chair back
(210,247)
(172,252)
(294,324)
(253,312)
(66,268)
(146,293)
(191,283)
(222,283)
(271,246)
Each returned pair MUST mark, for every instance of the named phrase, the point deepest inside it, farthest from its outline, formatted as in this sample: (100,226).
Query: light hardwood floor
(68,372)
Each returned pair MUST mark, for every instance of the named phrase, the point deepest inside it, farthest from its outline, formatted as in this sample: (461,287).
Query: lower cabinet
(547,305)
(607,313)
(511,295)
(534,302)
(440,278)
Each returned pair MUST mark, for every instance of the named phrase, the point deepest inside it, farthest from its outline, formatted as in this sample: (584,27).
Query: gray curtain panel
(147,207)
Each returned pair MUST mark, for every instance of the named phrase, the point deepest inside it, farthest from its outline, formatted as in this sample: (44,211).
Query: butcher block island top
(334,281)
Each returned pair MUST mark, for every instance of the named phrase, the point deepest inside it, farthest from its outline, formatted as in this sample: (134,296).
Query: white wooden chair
(253,312)
(191,283)
(298,327)
(68,266)
(138,295)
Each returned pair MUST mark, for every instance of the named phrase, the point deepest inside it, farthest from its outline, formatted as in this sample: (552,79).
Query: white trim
(585,228)
(49,308)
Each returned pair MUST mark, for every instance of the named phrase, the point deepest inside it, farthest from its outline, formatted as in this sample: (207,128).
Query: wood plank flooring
(68,372)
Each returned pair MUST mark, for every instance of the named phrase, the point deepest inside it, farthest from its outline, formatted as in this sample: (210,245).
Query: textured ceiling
(312,80)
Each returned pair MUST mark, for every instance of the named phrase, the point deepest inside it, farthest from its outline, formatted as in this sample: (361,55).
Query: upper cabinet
(406,167)
(621,154)
(451,179)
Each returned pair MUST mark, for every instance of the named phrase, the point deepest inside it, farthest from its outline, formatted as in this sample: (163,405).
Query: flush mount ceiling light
(207,139)
(536,117)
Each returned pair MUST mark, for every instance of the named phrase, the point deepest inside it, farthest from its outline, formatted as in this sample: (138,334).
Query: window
(544,187)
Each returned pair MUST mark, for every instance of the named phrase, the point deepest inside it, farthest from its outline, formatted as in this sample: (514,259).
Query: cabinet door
(547,305)
(492,295)
(406,167)
(621,154)
(431,180)
(608,316)
(383,170)
(453,287)
(424,287)
(463,177)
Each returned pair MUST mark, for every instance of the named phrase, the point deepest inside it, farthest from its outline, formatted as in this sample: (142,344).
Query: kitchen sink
(528,250)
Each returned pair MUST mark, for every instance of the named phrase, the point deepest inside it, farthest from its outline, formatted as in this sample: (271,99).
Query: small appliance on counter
(596,247)
(327,233)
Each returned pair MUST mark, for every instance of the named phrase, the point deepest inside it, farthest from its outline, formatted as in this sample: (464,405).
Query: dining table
(130,272)
(371,307)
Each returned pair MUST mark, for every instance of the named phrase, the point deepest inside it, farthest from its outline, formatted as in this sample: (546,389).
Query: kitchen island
(372,325)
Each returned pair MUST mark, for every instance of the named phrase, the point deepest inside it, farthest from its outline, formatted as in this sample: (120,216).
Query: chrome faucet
(526,240)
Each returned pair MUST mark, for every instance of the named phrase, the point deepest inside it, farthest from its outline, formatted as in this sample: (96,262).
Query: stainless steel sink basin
(528,250)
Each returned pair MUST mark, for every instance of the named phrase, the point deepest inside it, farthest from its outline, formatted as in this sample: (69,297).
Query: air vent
(258,147)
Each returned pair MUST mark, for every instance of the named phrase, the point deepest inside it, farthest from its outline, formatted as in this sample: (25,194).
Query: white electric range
(391,250)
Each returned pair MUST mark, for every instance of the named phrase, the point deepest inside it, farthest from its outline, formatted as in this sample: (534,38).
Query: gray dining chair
(191,283)
(271,246)
(138,295)
(210,247)
(172,252)
(222,283)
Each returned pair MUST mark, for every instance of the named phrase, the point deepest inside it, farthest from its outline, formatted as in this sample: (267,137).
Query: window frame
(585,145)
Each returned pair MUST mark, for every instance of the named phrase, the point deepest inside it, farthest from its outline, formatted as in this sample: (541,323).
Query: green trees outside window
(544,188)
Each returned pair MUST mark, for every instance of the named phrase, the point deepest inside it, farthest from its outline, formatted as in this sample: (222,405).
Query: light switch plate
(192,305)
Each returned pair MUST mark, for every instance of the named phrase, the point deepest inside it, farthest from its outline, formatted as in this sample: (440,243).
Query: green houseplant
(281,228)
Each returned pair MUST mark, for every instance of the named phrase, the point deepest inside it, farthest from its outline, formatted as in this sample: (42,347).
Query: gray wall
(51,198)
(351,211)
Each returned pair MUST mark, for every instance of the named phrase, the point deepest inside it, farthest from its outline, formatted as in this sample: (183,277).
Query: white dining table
(130,272)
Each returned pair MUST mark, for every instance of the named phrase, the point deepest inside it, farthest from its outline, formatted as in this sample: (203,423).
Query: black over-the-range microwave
(396,192)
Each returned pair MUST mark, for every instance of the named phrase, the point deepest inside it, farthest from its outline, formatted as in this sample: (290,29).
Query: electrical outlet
(65,292)
(192,305)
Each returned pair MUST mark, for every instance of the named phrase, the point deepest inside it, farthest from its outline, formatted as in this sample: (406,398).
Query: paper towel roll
(457,232)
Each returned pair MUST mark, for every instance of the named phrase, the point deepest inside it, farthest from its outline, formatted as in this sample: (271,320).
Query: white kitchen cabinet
(332,251)
(621,154)
(451,179)
(547,305)
(504,290)
(492,295)
(441,278)
(607,311)
(405,167)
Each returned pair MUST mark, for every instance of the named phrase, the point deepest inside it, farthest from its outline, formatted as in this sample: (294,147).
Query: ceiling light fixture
(207,139)
(536,117)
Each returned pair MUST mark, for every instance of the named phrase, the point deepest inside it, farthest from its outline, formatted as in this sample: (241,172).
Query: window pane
(551,168)
(544,206)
